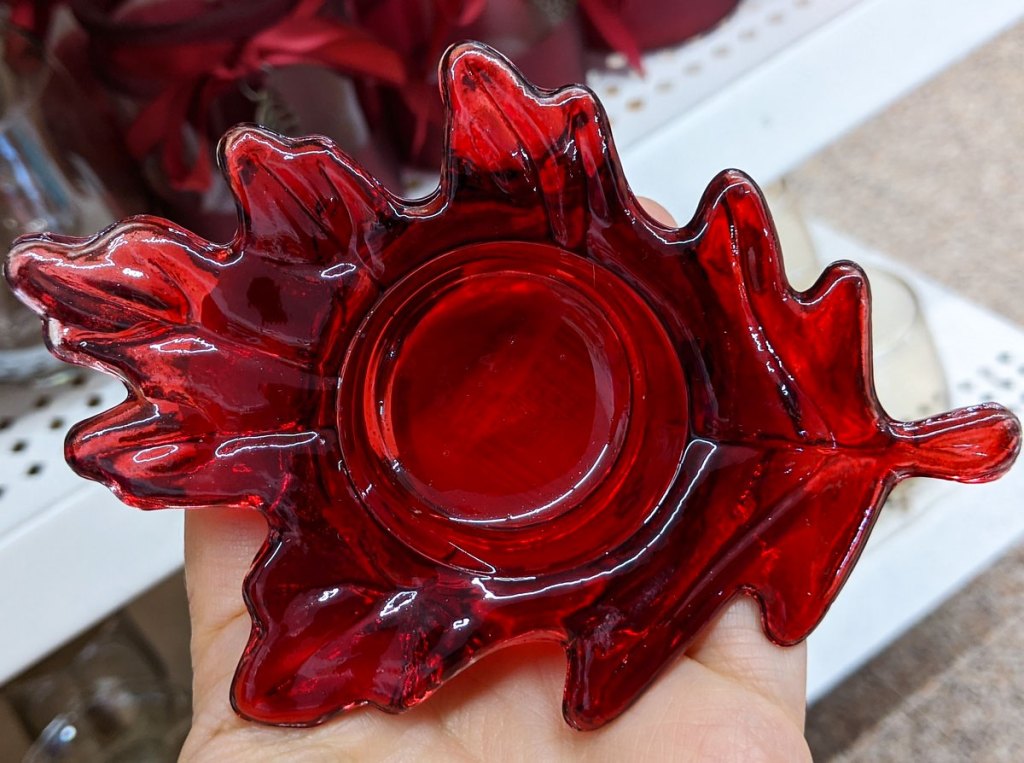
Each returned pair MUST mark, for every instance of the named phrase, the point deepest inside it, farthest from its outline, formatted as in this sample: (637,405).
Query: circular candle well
(506,399)
(497,398)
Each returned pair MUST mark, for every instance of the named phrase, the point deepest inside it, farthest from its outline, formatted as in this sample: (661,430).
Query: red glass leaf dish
(519,408)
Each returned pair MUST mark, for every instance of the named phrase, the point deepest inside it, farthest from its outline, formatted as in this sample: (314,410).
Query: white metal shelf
(763,91)
(70,553)
(676,80)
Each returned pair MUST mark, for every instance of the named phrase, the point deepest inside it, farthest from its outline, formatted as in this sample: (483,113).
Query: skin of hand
(734,695)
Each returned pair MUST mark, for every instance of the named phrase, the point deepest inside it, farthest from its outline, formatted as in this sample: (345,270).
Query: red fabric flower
(179,68)
(33,16)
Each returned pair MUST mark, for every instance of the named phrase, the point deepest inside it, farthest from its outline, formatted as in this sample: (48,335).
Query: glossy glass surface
(517,409)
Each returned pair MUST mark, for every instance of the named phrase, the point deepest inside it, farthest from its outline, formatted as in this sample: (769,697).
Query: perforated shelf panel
(69,551)
(33,423)
(763,91)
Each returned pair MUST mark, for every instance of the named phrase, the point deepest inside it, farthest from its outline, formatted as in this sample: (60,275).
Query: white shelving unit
(769,87)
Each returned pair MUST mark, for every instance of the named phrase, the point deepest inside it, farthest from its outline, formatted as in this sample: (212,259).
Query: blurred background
(884,131)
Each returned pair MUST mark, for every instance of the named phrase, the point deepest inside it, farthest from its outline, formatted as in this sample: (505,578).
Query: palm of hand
(733,696)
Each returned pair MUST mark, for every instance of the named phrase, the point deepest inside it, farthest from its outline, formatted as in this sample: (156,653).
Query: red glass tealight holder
(517,409)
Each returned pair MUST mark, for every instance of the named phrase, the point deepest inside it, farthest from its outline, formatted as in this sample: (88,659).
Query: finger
(658,212)
(220,545)
(734,646)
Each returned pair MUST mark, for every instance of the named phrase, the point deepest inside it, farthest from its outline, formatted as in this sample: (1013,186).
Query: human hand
(734,695)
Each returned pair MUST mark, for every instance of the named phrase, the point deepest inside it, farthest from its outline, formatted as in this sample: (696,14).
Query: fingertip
(220,545)
(227,534)
(735,645)
(657,212)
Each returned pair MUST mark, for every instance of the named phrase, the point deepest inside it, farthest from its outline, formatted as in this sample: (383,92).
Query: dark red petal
(331,634)
(159,454)
(142,270)
(302,202)
(746,304)
(973,444)
(726,523)
(550,150)
(231,384)
(833,507)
